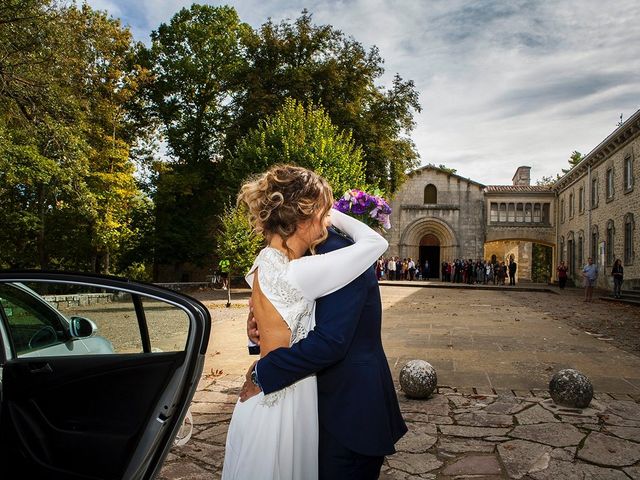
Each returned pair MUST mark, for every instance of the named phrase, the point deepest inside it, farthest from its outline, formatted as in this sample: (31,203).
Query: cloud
(502,84)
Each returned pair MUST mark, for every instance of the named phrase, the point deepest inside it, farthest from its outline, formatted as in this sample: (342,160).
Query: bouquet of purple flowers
(370,209)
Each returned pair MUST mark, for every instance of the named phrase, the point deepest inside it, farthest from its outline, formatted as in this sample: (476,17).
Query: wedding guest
(562,275)
(590,275)
(617,272)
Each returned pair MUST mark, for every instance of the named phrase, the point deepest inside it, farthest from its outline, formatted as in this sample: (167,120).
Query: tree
(444,168)
(215,79)
(305,137)
(110,80)
(541,258)
(547,181)
(574,159)
(194,59)
(64,137)
(237,242)
(321,65)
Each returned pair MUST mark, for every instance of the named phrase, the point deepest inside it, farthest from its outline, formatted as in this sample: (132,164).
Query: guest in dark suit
(359,415)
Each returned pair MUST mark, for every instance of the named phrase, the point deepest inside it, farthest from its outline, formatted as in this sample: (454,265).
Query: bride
(275,436)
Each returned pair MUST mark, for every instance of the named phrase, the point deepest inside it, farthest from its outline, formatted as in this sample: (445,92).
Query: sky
(502,83)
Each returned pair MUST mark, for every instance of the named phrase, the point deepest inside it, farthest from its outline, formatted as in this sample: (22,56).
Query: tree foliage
(546,181)
(194,60)
(306,137)
(319,64)
(542,256)
(67,184)
(574,159)
(237,242)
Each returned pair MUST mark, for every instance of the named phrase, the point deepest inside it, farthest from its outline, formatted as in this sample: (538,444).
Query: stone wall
(79,299)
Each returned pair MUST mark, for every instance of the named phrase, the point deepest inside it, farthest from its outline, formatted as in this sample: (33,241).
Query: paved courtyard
(494,351)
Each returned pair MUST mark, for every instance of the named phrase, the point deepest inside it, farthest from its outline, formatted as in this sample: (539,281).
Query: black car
(96,374)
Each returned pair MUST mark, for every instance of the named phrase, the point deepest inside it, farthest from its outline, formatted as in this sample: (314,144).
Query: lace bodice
(287,299)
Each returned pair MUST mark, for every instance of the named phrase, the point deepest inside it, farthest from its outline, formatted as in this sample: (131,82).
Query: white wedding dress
(275,436)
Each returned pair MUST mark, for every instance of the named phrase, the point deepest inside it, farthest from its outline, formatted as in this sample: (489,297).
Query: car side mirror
(81,327)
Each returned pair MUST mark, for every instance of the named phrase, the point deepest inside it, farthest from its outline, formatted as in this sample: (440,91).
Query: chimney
(522,176)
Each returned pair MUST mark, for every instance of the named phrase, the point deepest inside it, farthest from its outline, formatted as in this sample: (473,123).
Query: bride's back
(274,332)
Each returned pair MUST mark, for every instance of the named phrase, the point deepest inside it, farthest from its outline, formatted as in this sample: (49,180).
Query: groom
(358,409)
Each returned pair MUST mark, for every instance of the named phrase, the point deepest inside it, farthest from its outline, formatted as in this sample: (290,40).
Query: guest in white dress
(276,436)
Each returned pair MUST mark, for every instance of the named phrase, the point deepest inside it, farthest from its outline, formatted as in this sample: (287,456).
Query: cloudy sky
(502,83)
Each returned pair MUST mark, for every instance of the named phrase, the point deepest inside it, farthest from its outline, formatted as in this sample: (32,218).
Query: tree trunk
(43,259)
(106,261)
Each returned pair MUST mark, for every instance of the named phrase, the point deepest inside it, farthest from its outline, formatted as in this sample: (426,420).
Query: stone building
(598,204)
(590,211)
(437,215)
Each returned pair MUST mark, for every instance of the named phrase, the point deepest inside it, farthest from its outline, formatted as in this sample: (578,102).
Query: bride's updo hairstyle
(284,196)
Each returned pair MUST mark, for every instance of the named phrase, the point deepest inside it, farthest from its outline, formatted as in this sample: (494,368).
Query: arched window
(570,205)
(595,238)
(537,214)
(527,212)
(629,226)
(494,212)
(571,254)
(562,249)
(430,194)
(519,213)
(511,212)
(503,212)
(581,261)
(610,237)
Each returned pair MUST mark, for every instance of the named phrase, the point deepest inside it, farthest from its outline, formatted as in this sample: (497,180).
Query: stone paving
(484,432)
(457,434)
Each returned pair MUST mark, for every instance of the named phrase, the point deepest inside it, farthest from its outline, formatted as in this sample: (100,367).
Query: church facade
(590,211)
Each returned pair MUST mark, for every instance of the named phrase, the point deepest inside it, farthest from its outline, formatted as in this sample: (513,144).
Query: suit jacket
(357,401)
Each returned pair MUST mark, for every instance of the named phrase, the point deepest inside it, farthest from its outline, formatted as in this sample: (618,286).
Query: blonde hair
(284,196)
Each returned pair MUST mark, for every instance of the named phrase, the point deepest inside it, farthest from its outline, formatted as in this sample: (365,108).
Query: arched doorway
(429,232)
(430,252)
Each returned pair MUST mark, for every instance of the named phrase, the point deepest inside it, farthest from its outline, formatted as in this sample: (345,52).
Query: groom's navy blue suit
(357,403)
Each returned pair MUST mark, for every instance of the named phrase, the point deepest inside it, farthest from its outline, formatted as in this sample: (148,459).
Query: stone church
(590,211)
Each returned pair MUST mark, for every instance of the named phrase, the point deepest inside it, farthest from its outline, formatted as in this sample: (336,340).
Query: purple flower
(370,209)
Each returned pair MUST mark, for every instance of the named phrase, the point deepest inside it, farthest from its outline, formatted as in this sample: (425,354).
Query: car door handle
(40,368)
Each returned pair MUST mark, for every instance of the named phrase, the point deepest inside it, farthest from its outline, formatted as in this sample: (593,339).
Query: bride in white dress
(275,436)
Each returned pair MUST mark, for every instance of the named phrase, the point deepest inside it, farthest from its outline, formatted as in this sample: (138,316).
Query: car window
(32,323)
(168,326)
(38,316)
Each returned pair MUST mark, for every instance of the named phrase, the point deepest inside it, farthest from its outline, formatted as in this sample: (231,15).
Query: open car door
(97,374)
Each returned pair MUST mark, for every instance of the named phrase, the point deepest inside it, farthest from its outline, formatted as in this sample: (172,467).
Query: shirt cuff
(254,348)
(255,369)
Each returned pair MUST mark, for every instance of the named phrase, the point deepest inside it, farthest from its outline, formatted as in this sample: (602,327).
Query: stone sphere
(418,379)
(571,388)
